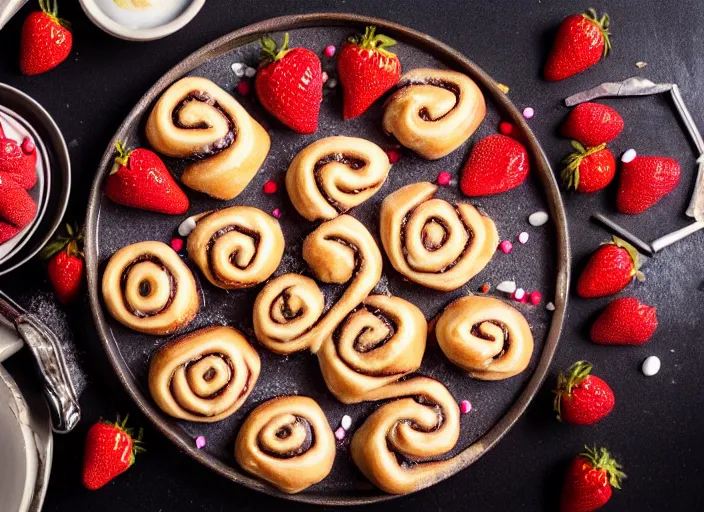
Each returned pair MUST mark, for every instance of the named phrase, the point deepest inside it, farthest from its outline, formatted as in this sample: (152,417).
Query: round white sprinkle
(651,366)
(519,293)
(538,218)
(238,69)
(528,112)
(550,306)
(187,226)
(346,422)
(628,156)
(250,72)
(523,237)
(332,83)
(506,286)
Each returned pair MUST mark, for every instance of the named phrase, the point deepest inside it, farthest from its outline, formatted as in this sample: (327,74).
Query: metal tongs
(45,347)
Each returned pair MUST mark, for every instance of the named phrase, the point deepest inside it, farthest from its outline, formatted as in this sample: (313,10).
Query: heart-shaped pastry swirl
(335,174)
(376,344)
(194,118)
(148,288)
(432,242)
(486,337)
(204,376)
(434,111)
(288,312)
(288,442)
(394,445)
(237,247)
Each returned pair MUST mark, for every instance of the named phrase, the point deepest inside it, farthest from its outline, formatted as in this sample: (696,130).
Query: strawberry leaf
(566,382)
(601,459)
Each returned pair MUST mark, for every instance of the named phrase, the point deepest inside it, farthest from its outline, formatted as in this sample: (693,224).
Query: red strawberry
(46,40)
(580,398)
(367,70)
(590,169)
(644,181)
(625,321)
(609,270)
(66,266)
(290,85)
(141,180)
(498,163)
(110,451)
(589,481)
(581,41)
(19,161)
(16,205)
(592,124)
(7,231)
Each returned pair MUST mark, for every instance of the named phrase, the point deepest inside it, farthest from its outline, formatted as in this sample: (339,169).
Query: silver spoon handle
(669,239)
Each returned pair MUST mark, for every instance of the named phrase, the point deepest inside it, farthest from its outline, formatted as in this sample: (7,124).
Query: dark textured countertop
(655,429)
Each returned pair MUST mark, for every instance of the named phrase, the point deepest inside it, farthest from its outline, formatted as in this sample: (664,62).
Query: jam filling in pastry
(237,247)
(147,287)
(204,376)
(196,119)
(289,312)
(379,342)
(335,174)
(288,442)
(433,243)
(434,111)
(485,337)
(396,445)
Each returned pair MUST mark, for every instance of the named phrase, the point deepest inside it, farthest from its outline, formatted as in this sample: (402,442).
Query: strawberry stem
(51,9)
(123,157)
(373,41)
(570,174)
(600,458)
(632,252)
(603,23)
(566,382)
(270,51)
(70,243)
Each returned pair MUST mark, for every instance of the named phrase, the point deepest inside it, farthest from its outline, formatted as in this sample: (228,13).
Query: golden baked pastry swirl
(204,376)
(237,247)
(395,445)
(288,442)
(148,288)
(288,312)
(432,242)
(486,337)
(335,174)
(379,342)
(196,119)
(434,111)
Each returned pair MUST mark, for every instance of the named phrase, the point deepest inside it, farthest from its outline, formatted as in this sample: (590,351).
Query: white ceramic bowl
(112,27)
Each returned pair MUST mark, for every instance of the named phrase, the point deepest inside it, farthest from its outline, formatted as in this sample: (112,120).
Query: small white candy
(519,293)
(523,237)
(506,286)
(332,83)
(249,72)
(628,156)
(550,306)
(346,422)
(187,226)
(238,69)
(538,218)
(651,366)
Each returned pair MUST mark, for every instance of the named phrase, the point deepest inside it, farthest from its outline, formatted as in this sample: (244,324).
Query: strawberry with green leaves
(590,480)
(625,321)
(609,270)
(46,40)
(588,169)
(65,265)
(582,398)
(644,181)
(109,451)
(592,124)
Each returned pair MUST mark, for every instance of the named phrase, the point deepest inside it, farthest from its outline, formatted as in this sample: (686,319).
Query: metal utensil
(45,347)
(8,8)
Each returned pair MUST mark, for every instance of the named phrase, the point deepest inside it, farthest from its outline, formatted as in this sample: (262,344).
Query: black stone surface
(655,429)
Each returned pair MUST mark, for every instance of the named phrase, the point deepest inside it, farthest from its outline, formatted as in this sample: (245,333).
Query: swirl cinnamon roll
(335,174)
(379,342)
(432,242)
(237,247)
(395,446)
(288,312)
(434,111)
(204,376)
(147,287)
(196,119)
(288,442)
(485,337)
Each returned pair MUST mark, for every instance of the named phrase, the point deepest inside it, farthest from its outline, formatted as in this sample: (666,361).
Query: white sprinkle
(506,286)
(672,350)
(538,218)
(238,69)
(187,226)
(346,422)
(641,64)
(250,72)
(332,83)
(628,156)
(528,112)
(550,306)
(519,294)
(651,366)
(523,237)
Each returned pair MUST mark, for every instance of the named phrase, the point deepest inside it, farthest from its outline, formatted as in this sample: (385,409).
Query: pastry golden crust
(335,174)
(434,111)
(204,376)
(432,242)
(288,442)
(288,312)
(237,247)
(485,337)
(375,345)
(194,118)
(148,288)
(421,423)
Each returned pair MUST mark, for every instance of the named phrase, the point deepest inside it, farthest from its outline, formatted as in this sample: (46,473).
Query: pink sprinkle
(465,406)
(330,51)
(519,294)
(505,128)
(200,442)
(523,237)
(506,246)
(28,146)
(270,187)
(340,433)
(177,244)
(535,297)
(276,213)
(394,156)
(325,76)
(244,88)
(528,112)
(444,178)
